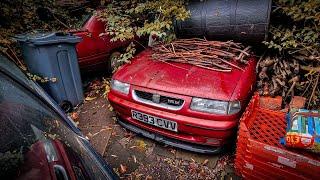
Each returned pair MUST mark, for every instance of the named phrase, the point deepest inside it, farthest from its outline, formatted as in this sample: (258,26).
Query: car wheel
(113,62)
(66,106)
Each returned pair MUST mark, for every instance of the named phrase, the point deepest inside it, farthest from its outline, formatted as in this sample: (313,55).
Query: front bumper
(202,133)
(171,142)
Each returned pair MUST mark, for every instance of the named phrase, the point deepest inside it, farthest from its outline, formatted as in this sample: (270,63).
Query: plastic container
(53,56)
(245,20)
(259,153)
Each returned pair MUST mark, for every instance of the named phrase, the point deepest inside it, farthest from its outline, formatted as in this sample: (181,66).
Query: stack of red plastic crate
(259,154)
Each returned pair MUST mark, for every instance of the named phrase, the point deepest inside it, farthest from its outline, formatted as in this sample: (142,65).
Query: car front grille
(158,100)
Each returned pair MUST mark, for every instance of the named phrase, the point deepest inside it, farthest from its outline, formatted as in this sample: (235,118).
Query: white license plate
(155,121)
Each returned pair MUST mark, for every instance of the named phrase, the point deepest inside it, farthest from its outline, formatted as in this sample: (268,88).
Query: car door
(94,47)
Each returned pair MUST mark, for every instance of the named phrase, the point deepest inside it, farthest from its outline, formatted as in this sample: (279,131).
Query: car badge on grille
(174,101)
(156,98)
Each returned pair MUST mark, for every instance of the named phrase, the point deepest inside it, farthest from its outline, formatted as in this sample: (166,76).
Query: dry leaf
(108,128)
(141,145)
(149,177)
(123,168)
(173,151)
(53,80)
(202,173)
(205,162)
(116,171)
(89,134)
(110,107)
(74,116)
(90,98)
(134,158)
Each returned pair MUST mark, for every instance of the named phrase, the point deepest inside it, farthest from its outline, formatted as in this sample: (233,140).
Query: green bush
(295,28)
(127,20)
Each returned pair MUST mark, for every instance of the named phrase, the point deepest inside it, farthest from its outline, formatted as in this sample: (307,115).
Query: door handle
(60,172)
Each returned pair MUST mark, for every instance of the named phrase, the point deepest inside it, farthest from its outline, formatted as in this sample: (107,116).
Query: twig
(17,59)
(242,53)
(258,63)
(214,55)
(314,89)
(139,43)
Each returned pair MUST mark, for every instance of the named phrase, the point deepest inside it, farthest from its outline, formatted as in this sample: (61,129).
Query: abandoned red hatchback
(96,51)
(181,105)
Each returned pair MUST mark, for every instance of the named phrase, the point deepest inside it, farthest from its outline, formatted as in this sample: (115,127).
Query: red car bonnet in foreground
(190,107)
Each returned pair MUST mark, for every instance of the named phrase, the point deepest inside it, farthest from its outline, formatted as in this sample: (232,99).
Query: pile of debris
(297,76)
(213,55)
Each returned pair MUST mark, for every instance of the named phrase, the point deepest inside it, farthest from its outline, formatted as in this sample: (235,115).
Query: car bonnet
(183,79)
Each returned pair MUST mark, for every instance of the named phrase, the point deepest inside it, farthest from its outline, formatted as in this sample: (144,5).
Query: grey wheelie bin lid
(45,38)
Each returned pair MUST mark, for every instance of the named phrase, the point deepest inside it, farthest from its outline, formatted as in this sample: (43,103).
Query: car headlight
(234,107)
(120,86)
(214,106)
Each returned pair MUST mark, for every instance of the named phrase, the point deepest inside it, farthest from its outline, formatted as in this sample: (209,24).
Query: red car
(95,51)
(196,110)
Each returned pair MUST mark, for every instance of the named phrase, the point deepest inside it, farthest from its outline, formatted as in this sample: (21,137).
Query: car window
(83,20)
(35,142)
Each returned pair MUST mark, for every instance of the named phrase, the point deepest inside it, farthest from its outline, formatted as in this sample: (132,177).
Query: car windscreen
(36,143)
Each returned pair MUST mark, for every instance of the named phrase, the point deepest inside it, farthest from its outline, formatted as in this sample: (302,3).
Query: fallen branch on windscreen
(213,55)
(290,77)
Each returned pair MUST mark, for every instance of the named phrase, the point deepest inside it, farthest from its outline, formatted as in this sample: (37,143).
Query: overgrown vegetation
(127,20)
(22,16)
(291,67)
(296,29)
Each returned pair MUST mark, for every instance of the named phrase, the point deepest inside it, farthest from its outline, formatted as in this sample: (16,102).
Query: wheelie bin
(53,56)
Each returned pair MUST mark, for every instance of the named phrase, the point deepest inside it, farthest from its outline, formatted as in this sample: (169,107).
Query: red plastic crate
(259,149)
(271,169)
(267,170)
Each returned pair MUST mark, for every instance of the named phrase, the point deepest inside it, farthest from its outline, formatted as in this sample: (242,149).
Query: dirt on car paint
(136,157)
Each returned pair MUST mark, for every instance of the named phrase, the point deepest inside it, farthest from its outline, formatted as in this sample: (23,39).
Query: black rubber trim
(170,141)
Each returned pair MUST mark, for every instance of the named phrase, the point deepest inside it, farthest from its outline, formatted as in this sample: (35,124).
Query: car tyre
(113,62)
